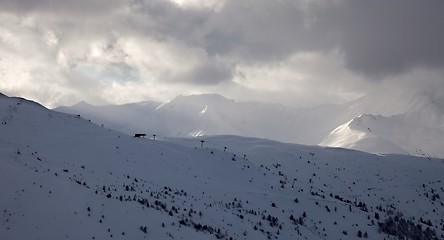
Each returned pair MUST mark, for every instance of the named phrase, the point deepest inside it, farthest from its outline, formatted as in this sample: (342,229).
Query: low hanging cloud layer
(297,52)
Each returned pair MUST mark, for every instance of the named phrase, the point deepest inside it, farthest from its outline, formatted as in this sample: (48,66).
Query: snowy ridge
(359,136)
(211,114)
(63,177)
(399,120)
(124,118)
(405,121)
(419,132)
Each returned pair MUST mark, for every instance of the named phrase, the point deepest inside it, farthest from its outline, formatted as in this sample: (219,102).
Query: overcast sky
(297,52)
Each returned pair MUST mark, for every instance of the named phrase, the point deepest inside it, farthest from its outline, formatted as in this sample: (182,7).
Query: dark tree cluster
(143,229)
(405,228)
(360,205)
(204,228)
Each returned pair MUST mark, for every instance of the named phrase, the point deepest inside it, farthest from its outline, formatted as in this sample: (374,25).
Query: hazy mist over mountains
(403,121)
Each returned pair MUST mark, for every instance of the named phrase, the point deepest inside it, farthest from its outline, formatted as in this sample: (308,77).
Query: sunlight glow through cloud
(215,5)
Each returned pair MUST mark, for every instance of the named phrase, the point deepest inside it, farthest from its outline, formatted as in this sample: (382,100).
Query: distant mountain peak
(195,103)
(82,104)
(206,97)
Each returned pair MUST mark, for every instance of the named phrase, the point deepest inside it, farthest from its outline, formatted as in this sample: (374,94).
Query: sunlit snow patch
(196,134)
(204,110)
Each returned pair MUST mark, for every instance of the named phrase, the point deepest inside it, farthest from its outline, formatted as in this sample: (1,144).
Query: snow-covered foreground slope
(63,177)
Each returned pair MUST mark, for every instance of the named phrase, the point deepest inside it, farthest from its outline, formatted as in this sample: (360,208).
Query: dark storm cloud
(291,45)
(166,21)
(377,37)
(262,30)
(388,37)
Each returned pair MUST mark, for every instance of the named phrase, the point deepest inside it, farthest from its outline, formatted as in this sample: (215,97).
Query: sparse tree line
(397,225)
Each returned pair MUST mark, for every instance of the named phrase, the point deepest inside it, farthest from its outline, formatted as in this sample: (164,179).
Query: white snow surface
(64,177)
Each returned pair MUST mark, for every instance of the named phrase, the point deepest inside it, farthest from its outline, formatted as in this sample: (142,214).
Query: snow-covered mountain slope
(410,122)
(406,134)
(402,120)
(125,118)
(63,177)
(211,114)
(357,134)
